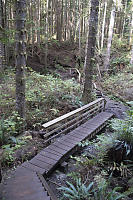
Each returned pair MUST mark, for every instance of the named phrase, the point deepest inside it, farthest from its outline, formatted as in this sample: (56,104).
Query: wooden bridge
(28,181)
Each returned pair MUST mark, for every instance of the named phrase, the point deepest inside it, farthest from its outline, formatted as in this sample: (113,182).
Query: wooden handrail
(72,113)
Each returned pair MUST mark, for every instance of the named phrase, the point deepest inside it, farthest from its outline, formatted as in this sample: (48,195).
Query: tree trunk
(89,60)
(46,42)
(103,26)
(99,27)
(38,24)
(58,21)
(131,36)
(110,36)
(2,37)
(124,19)
(79,29)
(20,56)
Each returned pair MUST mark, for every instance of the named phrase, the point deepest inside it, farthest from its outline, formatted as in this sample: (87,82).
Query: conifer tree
(20,6)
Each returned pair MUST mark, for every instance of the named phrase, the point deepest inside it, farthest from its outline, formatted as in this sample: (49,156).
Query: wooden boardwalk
(27,182)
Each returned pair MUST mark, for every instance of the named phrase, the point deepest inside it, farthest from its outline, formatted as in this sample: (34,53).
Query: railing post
(104,104)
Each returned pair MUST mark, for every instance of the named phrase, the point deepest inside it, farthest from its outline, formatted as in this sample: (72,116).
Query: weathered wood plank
(24,185)
(59,119)
(52,151)
(45,159)
(32,167)
(45,184)
(57,149)
(78,119)
(41,164)
(50,155)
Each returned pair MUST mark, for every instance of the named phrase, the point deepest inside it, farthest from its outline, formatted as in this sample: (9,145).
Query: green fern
(78,192)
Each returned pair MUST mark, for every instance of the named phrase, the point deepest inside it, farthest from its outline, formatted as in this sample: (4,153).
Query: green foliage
(118,84)
(119,43)
(119,62)
(102,144)
(43,93)
(121,169)
(124,128)
(79,191)
(130,189)
(8,157)
(11,126)
(85,162)
(103,192)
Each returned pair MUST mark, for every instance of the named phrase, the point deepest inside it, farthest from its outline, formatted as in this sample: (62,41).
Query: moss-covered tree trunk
(20,56)
(90,50)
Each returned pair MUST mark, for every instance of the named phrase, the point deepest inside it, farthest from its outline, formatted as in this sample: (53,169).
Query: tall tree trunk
(99,27)
(20,56)
(79,29)
(103,25)
(46,42)
(2,37)
(66,17)
(93,21)
(131,35)
(110,36)
(38,24)
(58,21)
(124,19)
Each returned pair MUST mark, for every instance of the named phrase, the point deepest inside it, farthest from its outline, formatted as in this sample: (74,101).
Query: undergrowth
(44,93)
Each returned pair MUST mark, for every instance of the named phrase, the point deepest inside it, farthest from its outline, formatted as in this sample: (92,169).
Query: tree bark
(103,25)
(20,56)
(58,21)
(2,37)
(89,60)
(131,36)
(46,42)
(110,36)
(124,18)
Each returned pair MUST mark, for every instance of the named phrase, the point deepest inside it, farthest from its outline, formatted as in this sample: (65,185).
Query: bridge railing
(73,119)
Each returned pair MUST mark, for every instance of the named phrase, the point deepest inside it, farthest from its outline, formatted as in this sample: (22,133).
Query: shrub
(11,126)
(124,128)
(103,192)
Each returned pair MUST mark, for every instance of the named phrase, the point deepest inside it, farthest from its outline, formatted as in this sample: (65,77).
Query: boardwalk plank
(48,150)
(45,159)
(25,185)
(57,149)
(49,155)
(40,164)
(32,167)
(61,146)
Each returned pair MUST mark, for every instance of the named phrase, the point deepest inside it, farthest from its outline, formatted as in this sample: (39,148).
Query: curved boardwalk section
(24,185)
(27,182)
